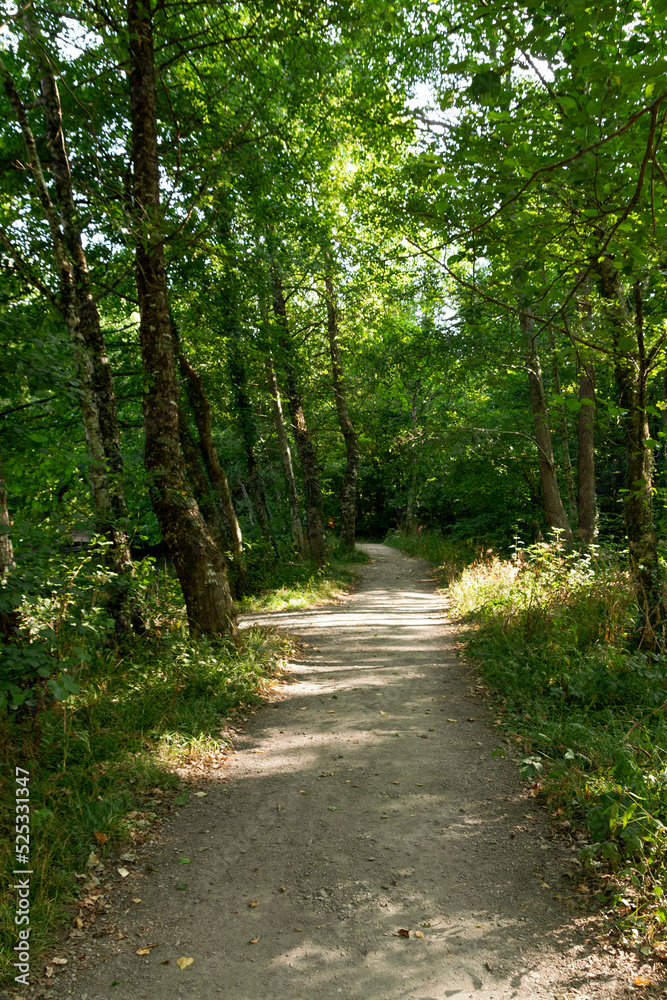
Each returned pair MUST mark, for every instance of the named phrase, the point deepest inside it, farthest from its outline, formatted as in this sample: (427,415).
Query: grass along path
(363,840)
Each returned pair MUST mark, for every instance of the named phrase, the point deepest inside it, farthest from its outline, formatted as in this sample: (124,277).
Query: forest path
(365,801)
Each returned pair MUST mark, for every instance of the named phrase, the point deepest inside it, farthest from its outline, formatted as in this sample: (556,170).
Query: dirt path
(364,802)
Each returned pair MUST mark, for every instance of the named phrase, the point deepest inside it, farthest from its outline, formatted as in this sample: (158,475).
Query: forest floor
(363,842)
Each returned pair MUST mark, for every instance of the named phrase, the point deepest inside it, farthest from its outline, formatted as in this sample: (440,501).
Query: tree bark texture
(317,539)
(348,500)
(632,370)
(554,512)
(6,547)
(586,500)
(412,487)
(568,474)
(198,561)
(89,319)
(201,409)
(67,304)
(238,378)
(286,456)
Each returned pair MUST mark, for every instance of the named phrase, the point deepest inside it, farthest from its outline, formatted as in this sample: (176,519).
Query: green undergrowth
(293,584)
(447,557)
(580,708)
(102,759)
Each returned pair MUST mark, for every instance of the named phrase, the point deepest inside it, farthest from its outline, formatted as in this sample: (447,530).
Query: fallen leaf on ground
(253,902)
(332,807)
(49,972)
(451,720)
(183,963)
(203,849)
(128,857)
(201,795)
(297,930)
(123,872)
(166,962)
(281,889)
(136,900)
(92,860)
(79,922)
(383,713)
(253,941)
(643,981)
(425,923)
(182,885)
(402,932)
(470,719)
(184,861)
(59,961)
(146,950)
(102,837)
(419,934)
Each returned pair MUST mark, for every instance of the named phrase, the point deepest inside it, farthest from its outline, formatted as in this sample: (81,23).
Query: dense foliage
(277,274)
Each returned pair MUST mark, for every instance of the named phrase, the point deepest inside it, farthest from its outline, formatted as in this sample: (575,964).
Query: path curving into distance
(356,807)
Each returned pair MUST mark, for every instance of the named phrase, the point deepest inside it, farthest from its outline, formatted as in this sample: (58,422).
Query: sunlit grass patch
(581,710)
(102,763)
(296,585)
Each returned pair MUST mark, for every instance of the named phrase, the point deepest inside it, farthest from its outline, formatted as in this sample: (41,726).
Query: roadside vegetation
(113,729)
(580,707)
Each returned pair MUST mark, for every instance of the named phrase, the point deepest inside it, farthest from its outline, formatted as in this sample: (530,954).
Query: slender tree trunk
(412,489)
(317,539)
(554,512)
(67,304)
(286,456)
(199,563)
(349,492)
(568,475)
(246,422)
(201,409)
(201,487)
(6,547)
(90,329)
(632,378)
(10,620)
(586,501)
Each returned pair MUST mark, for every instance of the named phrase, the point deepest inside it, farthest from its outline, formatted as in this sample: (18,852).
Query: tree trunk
(6,547)
(90,329)
(201,409)
(286,456)
(632,377)
(348,501)
(317,539)
(568,475)
(199,563)
(587,508)
(554,512)
(412,489)
(246,422)
(67,304)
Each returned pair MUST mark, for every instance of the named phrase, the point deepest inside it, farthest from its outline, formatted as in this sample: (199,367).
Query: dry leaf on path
(59,961)
(253,941)
(102,837)
(146,950)
(123,872)
(253,902)
(644,981)
(183,963)
(402,932)
(452,720)
(136,899)
(201,795)
(419,934)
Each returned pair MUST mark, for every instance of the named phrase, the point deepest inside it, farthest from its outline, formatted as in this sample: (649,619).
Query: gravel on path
(365,842)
